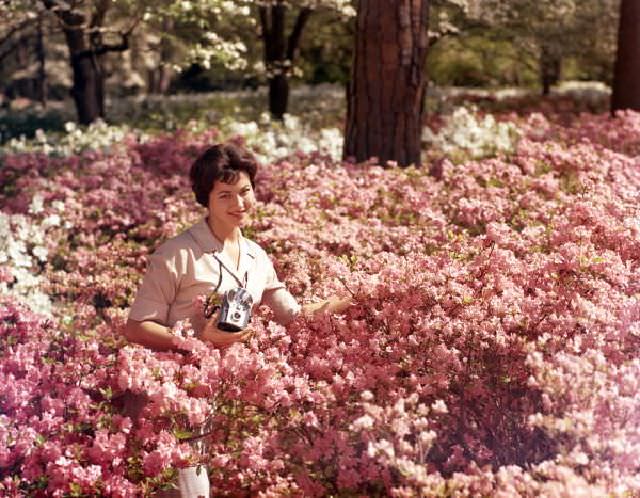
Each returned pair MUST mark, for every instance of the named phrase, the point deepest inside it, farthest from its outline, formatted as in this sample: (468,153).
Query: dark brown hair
(220,162)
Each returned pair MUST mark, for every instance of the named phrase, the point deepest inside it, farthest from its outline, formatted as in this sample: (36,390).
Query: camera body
(235,310)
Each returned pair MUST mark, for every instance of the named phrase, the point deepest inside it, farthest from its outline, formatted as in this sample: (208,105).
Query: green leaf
(107,392)
(182,434)
(76,489)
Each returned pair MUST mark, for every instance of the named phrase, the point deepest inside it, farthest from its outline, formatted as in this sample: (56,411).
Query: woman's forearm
(150,334)
(310,309)
(158,337)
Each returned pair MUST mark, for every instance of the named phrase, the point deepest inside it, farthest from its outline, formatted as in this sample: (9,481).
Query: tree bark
(626,75)
(42,72)
(385,100)
(278,95)
(279,52)
(160,77)
(550,67)
(87,88)
(85,57)
(95,40)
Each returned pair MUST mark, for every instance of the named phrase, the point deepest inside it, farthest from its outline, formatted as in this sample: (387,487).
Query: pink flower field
(492,349)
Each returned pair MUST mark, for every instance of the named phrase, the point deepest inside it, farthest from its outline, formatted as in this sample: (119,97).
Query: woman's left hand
(334,304)
(337,304)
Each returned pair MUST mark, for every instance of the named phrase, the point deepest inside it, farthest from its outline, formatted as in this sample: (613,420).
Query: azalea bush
(466,135)
(314,107)
(491,350)
(269,140)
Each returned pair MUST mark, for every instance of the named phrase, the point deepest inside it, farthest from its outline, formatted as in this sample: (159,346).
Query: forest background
(101,51)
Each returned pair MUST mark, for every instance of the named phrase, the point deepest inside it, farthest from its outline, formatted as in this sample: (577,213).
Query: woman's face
(231,205)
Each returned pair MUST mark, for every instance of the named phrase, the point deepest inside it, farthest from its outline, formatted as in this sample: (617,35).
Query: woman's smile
(239,214)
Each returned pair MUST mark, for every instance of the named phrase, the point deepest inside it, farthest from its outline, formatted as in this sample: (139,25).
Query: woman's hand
(337,304)
(218,337)
(334,304)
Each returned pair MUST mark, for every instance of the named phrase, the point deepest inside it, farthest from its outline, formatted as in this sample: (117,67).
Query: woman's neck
(224,234)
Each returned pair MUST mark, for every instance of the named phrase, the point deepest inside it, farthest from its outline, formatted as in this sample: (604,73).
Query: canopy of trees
(52,49)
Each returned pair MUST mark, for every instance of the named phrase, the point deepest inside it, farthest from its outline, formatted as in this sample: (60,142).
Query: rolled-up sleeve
(277,297)
(157,291)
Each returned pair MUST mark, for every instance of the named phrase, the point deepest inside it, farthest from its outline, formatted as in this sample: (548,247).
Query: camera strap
(241,283)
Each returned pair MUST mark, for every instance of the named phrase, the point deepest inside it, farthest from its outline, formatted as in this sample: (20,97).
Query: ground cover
(492,349)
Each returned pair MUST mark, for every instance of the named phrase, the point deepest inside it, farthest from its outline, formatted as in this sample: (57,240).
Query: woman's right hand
(218,337)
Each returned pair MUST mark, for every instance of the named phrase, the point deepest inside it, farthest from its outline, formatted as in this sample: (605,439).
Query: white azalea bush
(272,140)
(269,139)
(468,135)
(23,253)
(98,136)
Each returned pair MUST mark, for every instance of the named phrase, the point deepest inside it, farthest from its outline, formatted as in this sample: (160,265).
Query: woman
(212,255)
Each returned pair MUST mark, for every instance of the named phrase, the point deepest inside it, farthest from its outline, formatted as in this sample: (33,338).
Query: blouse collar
(209,243)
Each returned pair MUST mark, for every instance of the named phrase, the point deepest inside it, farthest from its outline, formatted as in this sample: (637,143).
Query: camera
(235,310)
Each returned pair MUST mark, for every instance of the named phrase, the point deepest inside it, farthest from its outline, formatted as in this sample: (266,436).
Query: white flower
(382,447)
(40,252)
(439,406)
(53,220)
(291,122)
(40,136)
(37,204)
(16,231)
(362,423)
(365,395)
(426,437)
(476,137)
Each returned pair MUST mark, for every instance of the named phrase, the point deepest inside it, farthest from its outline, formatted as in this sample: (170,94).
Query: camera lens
(236,315)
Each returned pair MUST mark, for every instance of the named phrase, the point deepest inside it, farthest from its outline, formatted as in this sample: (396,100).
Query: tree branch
(264,21)
(68,19)
(294,38)
(100,13)
(10,49)
(103,49)
(23,25)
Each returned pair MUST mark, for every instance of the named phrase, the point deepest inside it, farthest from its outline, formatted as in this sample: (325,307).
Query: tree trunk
(88,80)
(626,75)
(41,79)
(87,92)
(280,52)
(160,76)
(550,67)
(160,79)
(278,95)
(274,54)
(385,101)
(86,56)
(87,88)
